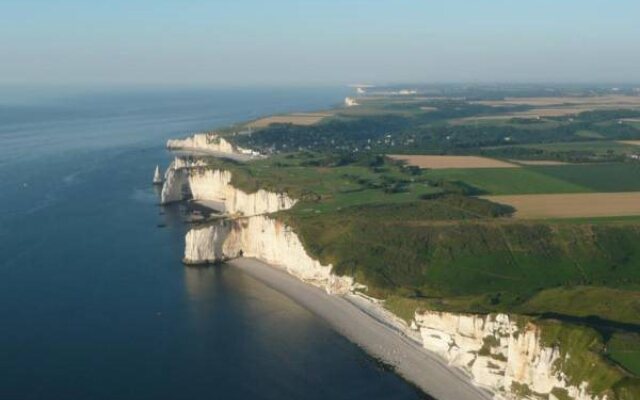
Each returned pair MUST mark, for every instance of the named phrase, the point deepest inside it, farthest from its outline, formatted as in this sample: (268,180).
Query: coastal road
(381,340)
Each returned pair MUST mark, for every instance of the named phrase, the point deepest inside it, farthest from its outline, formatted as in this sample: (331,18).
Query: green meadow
(421,239)
(575,178)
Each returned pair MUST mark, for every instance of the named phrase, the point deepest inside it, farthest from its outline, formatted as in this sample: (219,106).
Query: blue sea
(94,301)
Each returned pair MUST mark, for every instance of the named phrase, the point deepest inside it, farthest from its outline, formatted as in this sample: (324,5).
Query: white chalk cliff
(498,354)
(209,142)
(350,102)
(266,239)
(494,350)
(190,179)
(254,234)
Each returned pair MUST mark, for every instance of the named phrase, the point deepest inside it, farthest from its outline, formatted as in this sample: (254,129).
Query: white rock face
(255,235)
(492,349)
(350,102)
(204,245)
(187,162)
(207,184)
(189,179)
(209,142)
(175,183)
(176,179)
(497,353)
(266,239)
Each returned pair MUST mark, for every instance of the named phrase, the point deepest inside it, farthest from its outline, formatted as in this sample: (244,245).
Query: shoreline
(364,323)
(447,355)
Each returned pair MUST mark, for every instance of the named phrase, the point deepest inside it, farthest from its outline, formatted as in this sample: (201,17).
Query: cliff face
(207,184)
(174,184)
(208,142)
(499,354)
(191,180)
(266,239)
(254,235)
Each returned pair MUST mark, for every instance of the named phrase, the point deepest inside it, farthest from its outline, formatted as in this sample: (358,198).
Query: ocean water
(94,301)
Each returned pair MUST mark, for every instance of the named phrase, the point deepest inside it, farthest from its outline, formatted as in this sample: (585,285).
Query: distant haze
(248,42)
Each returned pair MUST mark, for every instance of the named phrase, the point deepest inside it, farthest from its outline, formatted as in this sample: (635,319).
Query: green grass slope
(492,264)
(497,181)
(578,178)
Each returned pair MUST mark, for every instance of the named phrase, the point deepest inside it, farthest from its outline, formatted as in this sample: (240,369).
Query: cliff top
(416,232)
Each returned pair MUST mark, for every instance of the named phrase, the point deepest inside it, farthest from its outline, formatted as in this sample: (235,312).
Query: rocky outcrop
(350,102)
(209,142)
(250,233)
(190,180)
(266,239)
(176,179)
(209,184)
(174,186)
(508,359)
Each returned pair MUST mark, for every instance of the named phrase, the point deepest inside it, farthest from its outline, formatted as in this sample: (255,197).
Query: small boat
(157,177)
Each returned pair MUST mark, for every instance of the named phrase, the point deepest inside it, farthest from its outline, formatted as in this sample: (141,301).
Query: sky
(317,42)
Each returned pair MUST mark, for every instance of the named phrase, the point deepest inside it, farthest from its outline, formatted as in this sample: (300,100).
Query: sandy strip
(362,323)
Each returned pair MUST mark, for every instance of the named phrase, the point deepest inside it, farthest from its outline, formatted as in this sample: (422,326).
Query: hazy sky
(317,42)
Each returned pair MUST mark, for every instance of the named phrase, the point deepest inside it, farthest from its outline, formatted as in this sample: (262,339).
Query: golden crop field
(443,162)
(572,205)
(296,119)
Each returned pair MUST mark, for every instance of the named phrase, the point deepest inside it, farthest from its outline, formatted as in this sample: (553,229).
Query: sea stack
(350,102)
(157,177)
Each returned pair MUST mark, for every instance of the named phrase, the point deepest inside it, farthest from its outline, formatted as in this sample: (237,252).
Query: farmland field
(444,162)
(536,217)
(563,106)
(559,111)
(538,162)
(324,189)
(614,177)
(525,180)
(506,120)
(572,205)
(296,119)
(625,350)
(547,179)
(591,146)
(618,101)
